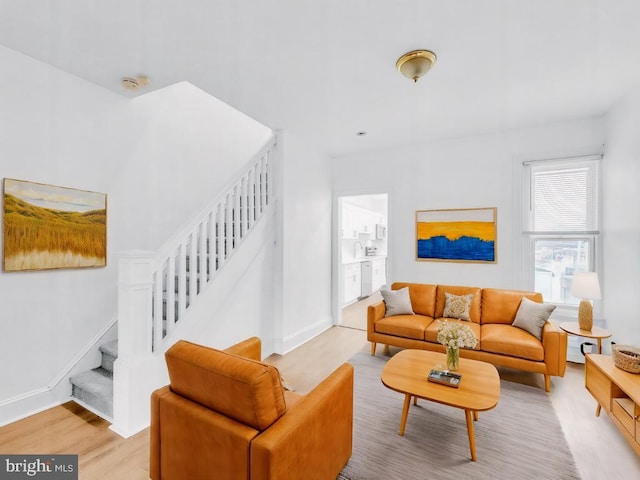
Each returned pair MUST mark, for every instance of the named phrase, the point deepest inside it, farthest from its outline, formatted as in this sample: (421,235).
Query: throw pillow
(398,302)
(457,306)
(532,316)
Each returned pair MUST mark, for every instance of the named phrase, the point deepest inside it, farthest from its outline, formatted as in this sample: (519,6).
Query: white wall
(186,146)
(50,133)
(481,171)
(622,220)
(158,158)
(304,290)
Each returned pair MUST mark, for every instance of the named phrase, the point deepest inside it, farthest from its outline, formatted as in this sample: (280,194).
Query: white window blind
(564,197)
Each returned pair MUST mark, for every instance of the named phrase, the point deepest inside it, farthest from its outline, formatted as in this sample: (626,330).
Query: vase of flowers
(453,358)
(455,335)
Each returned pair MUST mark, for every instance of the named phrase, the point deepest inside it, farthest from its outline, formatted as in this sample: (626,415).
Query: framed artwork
(457,235)
(48,227)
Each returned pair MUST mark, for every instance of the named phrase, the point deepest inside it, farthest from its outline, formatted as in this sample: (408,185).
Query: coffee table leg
(475,415)
(405,413)
(472,438)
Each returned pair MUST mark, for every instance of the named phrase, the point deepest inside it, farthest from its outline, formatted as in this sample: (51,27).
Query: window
(561,224)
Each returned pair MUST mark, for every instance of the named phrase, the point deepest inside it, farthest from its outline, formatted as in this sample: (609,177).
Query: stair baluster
(189,262)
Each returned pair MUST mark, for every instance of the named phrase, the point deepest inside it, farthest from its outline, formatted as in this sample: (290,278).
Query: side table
(597,333)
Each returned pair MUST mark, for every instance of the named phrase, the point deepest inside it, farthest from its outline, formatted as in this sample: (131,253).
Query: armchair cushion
(245,390)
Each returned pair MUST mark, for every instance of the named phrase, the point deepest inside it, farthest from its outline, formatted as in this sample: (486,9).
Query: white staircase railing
(156,289)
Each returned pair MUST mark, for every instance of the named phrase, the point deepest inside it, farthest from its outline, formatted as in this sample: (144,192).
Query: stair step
(95,388)
(110,348)
(109,354)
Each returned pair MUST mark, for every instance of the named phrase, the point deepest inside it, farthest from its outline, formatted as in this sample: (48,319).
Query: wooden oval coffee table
(406,372)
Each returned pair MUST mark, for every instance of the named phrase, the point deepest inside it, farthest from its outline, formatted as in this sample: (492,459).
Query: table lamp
(585,286)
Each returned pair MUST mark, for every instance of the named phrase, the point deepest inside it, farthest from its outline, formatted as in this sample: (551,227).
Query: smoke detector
(131,83)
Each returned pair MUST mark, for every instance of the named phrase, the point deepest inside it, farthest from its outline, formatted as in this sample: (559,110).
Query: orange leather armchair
(225,415)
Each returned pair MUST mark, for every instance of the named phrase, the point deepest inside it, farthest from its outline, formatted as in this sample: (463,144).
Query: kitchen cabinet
(352,282)
(349,223)
(378,273)
(367,222)
(357,220)
(362,278)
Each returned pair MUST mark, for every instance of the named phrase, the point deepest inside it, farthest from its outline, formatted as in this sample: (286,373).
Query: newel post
(137,370)
(135,288)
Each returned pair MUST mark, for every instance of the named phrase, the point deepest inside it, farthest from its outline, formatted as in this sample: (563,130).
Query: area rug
(521,438)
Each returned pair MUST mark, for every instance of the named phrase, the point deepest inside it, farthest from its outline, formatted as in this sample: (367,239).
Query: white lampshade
(585,285)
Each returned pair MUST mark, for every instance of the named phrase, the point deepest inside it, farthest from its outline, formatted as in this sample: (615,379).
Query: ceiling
(325,69)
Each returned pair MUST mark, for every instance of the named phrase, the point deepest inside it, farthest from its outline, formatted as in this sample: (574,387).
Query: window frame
(530,236)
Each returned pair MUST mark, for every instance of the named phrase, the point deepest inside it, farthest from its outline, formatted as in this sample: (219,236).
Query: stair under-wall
(93,389)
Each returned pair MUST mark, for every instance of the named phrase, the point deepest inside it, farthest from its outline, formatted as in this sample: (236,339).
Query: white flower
(456,334)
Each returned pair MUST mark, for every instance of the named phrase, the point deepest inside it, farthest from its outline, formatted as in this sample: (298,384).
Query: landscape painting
(464,235)
(48,227)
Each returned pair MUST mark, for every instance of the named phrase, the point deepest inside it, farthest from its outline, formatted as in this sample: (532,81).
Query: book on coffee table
(445,378)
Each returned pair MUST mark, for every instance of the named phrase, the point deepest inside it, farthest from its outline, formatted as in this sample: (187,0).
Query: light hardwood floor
(597,446)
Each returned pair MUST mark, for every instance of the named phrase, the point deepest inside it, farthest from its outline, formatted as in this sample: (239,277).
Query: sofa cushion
(441,300)
(397,302)
(246,390)
(407,326)
(501,306)
(457,306)
(532,316)
(511,341)
(431,333)
(423,297)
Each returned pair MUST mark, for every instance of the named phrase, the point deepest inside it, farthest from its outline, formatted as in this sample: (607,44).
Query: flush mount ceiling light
(131,83)
(416,63)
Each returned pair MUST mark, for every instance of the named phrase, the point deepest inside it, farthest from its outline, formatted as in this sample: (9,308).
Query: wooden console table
(618,392)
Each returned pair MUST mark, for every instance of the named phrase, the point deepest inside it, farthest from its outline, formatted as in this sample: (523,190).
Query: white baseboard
(27,404)
(293,341)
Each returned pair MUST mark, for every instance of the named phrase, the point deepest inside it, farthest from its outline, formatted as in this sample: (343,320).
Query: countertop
(347,261)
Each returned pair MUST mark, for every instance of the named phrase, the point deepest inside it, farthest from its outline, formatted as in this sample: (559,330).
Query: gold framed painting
(457,235)
(50,227)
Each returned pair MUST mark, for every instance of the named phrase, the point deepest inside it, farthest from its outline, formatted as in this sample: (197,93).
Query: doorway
(361,256)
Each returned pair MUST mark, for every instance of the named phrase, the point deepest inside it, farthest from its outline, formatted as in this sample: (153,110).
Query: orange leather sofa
(492,312)
(225,415)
